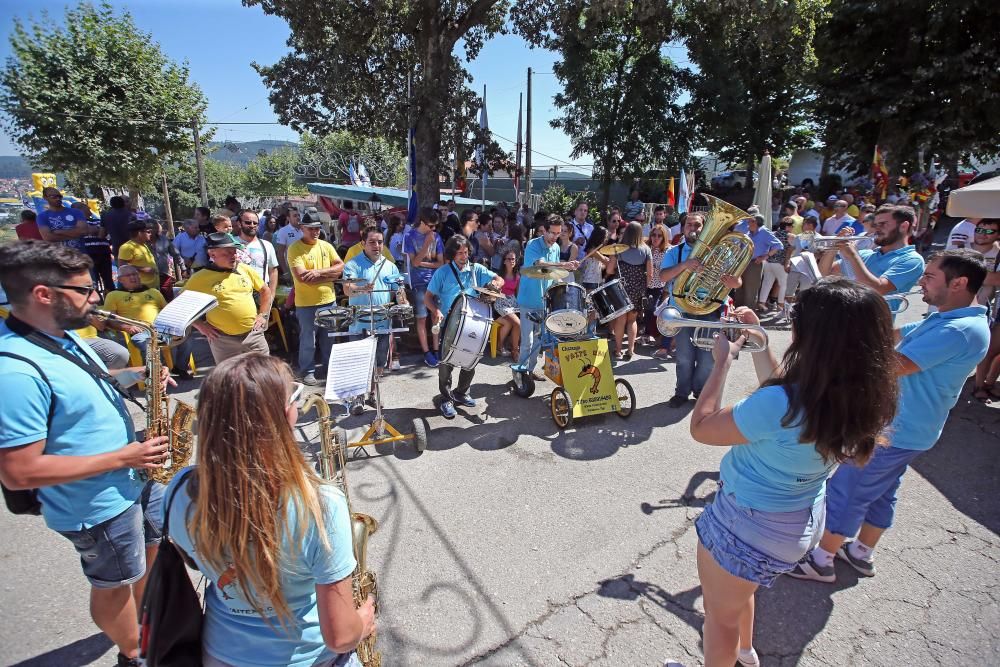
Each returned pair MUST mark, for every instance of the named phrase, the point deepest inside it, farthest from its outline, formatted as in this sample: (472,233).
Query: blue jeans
(306,316)
(694,365)
(531,338)
(866,494)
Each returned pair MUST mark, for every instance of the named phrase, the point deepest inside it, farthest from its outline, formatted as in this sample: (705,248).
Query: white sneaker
(748,658)
(394,365)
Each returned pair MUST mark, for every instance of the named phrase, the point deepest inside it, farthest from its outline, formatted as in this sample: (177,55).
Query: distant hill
(15,166)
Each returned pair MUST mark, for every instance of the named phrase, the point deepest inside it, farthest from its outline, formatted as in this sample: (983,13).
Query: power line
(568,164)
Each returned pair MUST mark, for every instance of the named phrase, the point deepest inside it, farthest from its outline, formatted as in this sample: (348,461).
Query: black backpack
(25,501)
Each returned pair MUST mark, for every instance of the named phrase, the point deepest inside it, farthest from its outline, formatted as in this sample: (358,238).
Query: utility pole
(527,146)
(167,213)
(199,163)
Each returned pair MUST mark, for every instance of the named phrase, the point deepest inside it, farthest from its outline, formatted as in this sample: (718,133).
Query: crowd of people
(275,541)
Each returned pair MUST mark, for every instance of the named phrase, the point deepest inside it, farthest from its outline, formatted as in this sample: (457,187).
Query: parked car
(736,179)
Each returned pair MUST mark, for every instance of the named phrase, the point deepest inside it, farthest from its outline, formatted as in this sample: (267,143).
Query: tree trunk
(427,118)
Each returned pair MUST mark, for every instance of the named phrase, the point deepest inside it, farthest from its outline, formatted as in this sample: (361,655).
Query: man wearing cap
(765,244)
(236,325)
(136,252)
(314,265)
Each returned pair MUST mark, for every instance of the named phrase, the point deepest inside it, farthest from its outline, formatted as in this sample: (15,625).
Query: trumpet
(897,302)
(669,322)
(820,243)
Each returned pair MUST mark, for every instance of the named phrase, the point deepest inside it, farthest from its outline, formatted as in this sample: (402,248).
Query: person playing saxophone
(272,537)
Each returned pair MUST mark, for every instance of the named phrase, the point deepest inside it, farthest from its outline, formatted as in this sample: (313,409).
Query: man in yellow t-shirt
(138,253)
(234,326)
(314,265)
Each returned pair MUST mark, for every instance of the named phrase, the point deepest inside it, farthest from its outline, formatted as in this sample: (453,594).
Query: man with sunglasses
(986,241)
(260,254)
(69,435)
(425,251)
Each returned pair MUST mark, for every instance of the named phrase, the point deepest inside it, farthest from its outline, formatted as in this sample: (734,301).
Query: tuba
(159,420)
(721,252)
(333,467)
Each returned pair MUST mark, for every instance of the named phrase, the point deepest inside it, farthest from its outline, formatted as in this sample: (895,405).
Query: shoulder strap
(44,377)
(170,500)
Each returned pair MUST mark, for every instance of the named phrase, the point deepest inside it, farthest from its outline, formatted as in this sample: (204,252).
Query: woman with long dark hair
(507,313)
(635,266)
(272,537)
(828,400)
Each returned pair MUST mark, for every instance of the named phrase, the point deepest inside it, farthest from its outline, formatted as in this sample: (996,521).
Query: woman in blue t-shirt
(826,401)
(272,537)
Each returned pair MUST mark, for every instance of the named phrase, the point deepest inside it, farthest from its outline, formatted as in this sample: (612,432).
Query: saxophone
(333,467)
(721,252)
(159,420)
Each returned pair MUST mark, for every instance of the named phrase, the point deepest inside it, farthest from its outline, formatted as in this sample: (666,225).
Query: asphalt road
(510,542)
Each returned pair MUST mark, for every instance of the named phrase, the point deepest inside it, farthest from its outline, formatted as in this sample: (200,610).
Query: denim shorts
(343,660)
(419,307)
(113,553)
(866,494)
(756,545)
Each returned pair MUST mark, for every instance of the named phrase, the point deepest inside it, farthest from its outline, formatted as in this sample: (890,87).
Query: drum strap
(458,278)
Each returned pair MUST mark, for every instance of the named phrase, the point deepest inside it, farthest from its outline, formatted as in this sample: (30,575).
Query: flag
(363,174)
(517,163)
(481,148)
(352,174)
(671,200)
(880,175)
(682,199)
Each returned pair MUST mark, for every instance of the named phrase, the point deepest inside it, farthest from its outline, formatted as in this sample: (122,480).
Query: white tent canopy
(762,196)
(980,200)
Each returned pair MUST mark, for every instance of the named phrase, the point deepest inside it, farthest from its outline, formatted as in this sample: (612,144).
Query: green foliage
(272,174)
(100,65)
(620,92)
(755,60)
(556,199)
(327,157)
(928,81)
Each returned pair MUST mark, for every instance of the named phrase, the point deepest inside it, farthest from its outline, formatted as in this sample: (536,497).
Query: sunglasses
(82,291)
(985,232)
(297,389)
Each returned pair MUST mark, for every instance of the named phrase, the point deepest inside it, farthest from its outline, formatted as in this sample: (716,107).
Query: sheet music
(180,313)
(350,369)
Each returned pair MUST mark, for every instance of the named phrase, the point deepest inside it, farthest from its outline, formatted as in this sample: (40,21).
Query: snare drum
(401,311)
(566,309)
(610,300)
(466,332)
(334,317)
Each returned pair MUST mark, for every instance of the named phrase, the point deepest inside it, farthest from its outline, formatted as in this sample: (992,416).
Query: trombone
(669,322)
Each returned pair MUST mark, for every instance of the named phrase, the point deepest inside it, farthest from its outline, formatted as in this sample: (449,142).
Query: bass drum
(566,309)
(466,332)
(610,301)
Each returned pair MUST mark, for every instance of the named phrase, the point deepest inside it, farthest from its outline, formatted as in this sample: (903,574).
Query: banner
(880,175)
(585,367)
(671,199)
(682,200)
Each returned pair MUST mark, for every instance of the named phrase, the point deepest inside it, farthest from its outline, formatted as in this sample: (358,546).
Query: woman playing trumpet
(273,539)
(787,438)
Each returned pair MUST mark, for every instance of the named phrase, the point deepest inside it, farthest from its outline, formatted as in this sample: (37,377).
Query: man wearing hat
(138,253)
(314,265)
(235,326)
(765,244)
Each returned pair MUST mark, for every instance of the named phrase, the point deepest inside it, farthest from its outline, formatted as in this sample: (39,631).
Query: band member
(314,265)
(65,430)
(457,276)
(933,358)
(272,538)
(237,324)
(381,281)
(543,249)
(693,364)
(894,267)
(785,439)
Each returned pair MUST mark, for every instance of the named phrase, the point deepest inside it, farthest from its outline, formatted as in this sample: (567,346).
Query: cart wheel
(524,384)
(626,398)
(419,434)
(562,408)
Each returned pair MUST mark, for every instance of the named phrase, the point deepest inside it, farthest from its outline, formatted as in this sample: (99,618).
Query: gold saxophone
(159,420)
(333,467)
(721,252)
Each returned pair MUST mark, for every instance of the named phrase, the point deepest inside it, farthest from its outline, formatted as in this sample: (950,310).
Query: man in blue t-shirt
(459,276)
(934,358)
(543,249)
(68,434)
(424,252)
(61,223)
(894,267)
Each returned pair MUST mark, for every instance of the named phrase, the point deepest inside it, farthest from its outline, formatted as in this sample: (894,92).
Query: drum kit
(380,319)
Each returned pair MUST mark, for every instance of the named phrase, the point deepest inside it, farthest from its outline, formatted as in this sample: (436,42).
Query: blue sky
(192,30)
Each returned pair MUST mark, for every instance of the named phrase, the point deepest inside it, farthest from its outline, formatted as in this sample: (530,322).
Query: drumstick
(595,250)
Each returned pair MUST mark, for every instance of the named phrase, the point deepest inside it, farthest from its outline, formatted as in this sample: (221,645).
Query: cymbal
(487,291)
(544,272)
(613,249)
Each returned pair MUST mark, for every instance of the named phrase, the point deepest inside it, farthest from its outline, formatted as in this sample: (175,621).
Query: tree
(754,62)
(350,63)
(928,83)
(328,157)
(96,96)
(620,92)
(271,174)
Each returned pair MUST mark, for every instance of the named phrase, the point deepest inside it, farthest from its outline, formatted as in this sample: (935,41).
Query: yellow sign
(587,378)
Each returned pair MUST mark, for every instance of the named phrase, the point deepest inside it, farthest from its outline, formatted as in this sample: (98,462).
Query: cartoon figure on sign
(228,578)
(590,369)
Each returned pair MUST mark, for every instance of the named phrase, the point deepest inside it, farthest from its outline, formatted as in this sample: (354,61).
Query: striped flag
(363,174)
(517,163)
(353,175)
(671,200)
(880,175)
(682,200)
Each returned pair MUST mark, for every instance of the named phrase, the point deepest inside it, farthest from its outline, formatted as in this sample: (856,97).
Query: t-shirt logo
(69,218)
